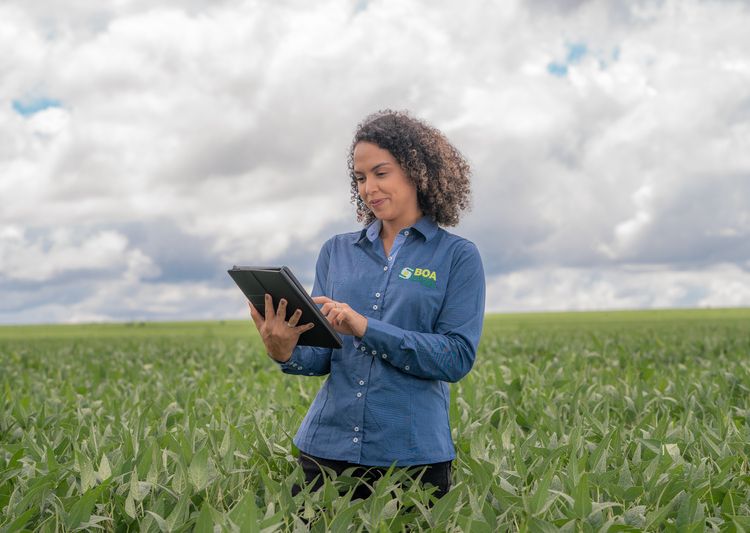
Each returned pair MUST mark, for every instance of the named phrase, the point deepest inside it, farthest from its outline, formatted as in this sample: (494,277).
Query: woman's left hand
(343,318)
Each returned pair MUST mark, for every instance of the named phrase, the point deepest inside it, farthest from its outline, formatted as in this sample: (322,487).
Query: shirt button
(374,352)
(385,268)
(385,356)
(312,373)
(390,258)
(359,395)
(356,428)
(355,439)
(299,367)
(377,295)
(363,349)
(361,382)
(406,232)
(406,367)
(375,307)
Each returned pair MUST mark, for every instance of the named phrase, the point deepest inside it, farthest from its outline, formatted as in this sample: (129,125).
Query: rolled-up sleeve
(447,353)
(311,360)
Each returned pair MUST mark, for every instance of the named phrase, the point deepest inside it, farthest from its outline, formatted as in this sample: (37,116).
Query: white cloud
(128,300)
(232,121)
(543,289)
(23,259)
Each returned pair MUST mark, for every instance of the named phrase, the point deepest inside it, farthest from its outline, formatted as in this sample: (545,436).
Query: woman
(407,296)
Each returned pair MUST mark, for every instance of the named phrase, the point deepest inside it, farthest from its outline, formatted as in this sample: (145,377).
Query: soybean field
(610,421)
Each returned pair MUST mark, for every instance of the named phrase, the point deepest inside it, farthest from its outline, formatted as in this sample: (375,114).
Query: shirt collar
(373,230)
(425,226)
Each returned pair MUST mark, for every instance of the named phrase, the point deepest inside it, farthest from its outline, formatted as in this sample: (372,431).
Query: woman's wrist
(362,329)
(280,359)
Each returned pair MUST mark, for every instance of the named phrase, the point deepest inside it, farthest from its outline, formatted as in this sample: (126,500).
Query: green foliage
(572,422)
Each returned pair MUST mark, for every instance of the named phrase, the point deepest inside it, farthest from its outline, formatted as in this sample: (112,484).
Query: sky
(147,146)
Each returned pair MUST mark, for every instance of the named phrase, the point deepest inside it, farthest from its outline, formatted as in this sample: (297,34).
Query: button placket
(356,428)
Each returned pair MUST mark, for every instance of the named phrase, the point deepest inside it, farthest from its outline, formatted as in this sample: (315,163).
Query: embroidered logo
(425,276)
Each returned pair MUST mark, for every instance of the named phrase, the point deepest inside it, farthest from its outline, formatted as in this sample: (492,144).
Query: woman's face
(384,186)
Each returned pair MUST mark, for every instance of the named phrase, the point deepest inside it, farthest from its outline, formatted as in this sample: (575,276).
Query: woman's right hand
(279,336)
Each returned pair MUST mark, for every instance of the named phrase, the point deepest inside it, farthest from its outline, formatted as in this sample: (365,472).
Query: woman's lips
(377,203)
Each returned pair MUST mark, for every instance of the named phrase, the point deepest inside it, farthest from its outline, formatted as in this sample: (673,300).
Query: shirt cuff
(293,363)
(383,340)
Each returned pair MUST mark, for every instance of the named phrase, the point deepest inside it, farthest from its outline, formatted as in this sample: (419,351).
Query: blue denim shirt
(386,398)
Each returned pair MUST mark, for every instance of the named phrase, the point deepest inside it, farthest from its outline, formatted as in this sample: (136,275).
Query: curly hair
(429,160)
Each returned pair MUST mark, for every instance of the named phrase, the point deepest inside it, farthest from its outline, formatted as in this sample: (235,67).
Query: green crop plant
(629,421)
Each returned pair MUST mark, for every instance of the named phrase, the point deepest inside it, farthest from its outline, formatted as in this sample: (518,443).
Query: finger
(331,306)
(341,317)
(295,318)
(270,315)
(335,317)
(281,312)
(304,327)
(322,300)
(327,313)
(255,315)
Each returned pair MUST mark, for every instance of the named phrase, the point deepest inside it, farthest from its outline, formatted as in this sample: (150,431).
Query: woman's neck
(389,228)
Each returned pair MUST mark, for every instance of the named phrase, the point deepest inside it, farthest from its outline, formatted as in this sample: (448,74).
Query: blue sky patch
(576,51)
(30,106)
(557,69)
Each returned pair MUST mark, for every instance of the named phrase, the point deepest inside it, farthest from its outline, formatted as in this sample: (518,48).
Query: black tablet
(280,283)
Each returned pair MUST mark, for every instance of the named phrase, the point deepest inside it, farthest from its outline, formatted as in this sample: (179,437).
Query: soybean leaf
(245,514)
(198,470)
(205,522)
(582,505)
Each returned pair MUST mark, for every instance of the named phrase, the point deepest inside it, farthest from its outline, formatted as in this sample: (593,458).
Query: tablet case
(280,283)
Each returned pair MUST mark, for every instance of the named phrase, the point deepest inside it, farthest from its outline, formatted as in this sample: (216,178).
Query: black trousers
(437,474)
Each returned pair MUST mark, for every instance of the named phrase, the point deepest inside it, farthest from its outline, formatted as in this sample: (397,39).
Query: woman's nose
(370,185)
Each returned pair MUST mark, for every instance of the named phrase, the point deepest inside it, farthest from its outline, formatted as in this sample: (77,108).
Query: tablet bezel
(304,298)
